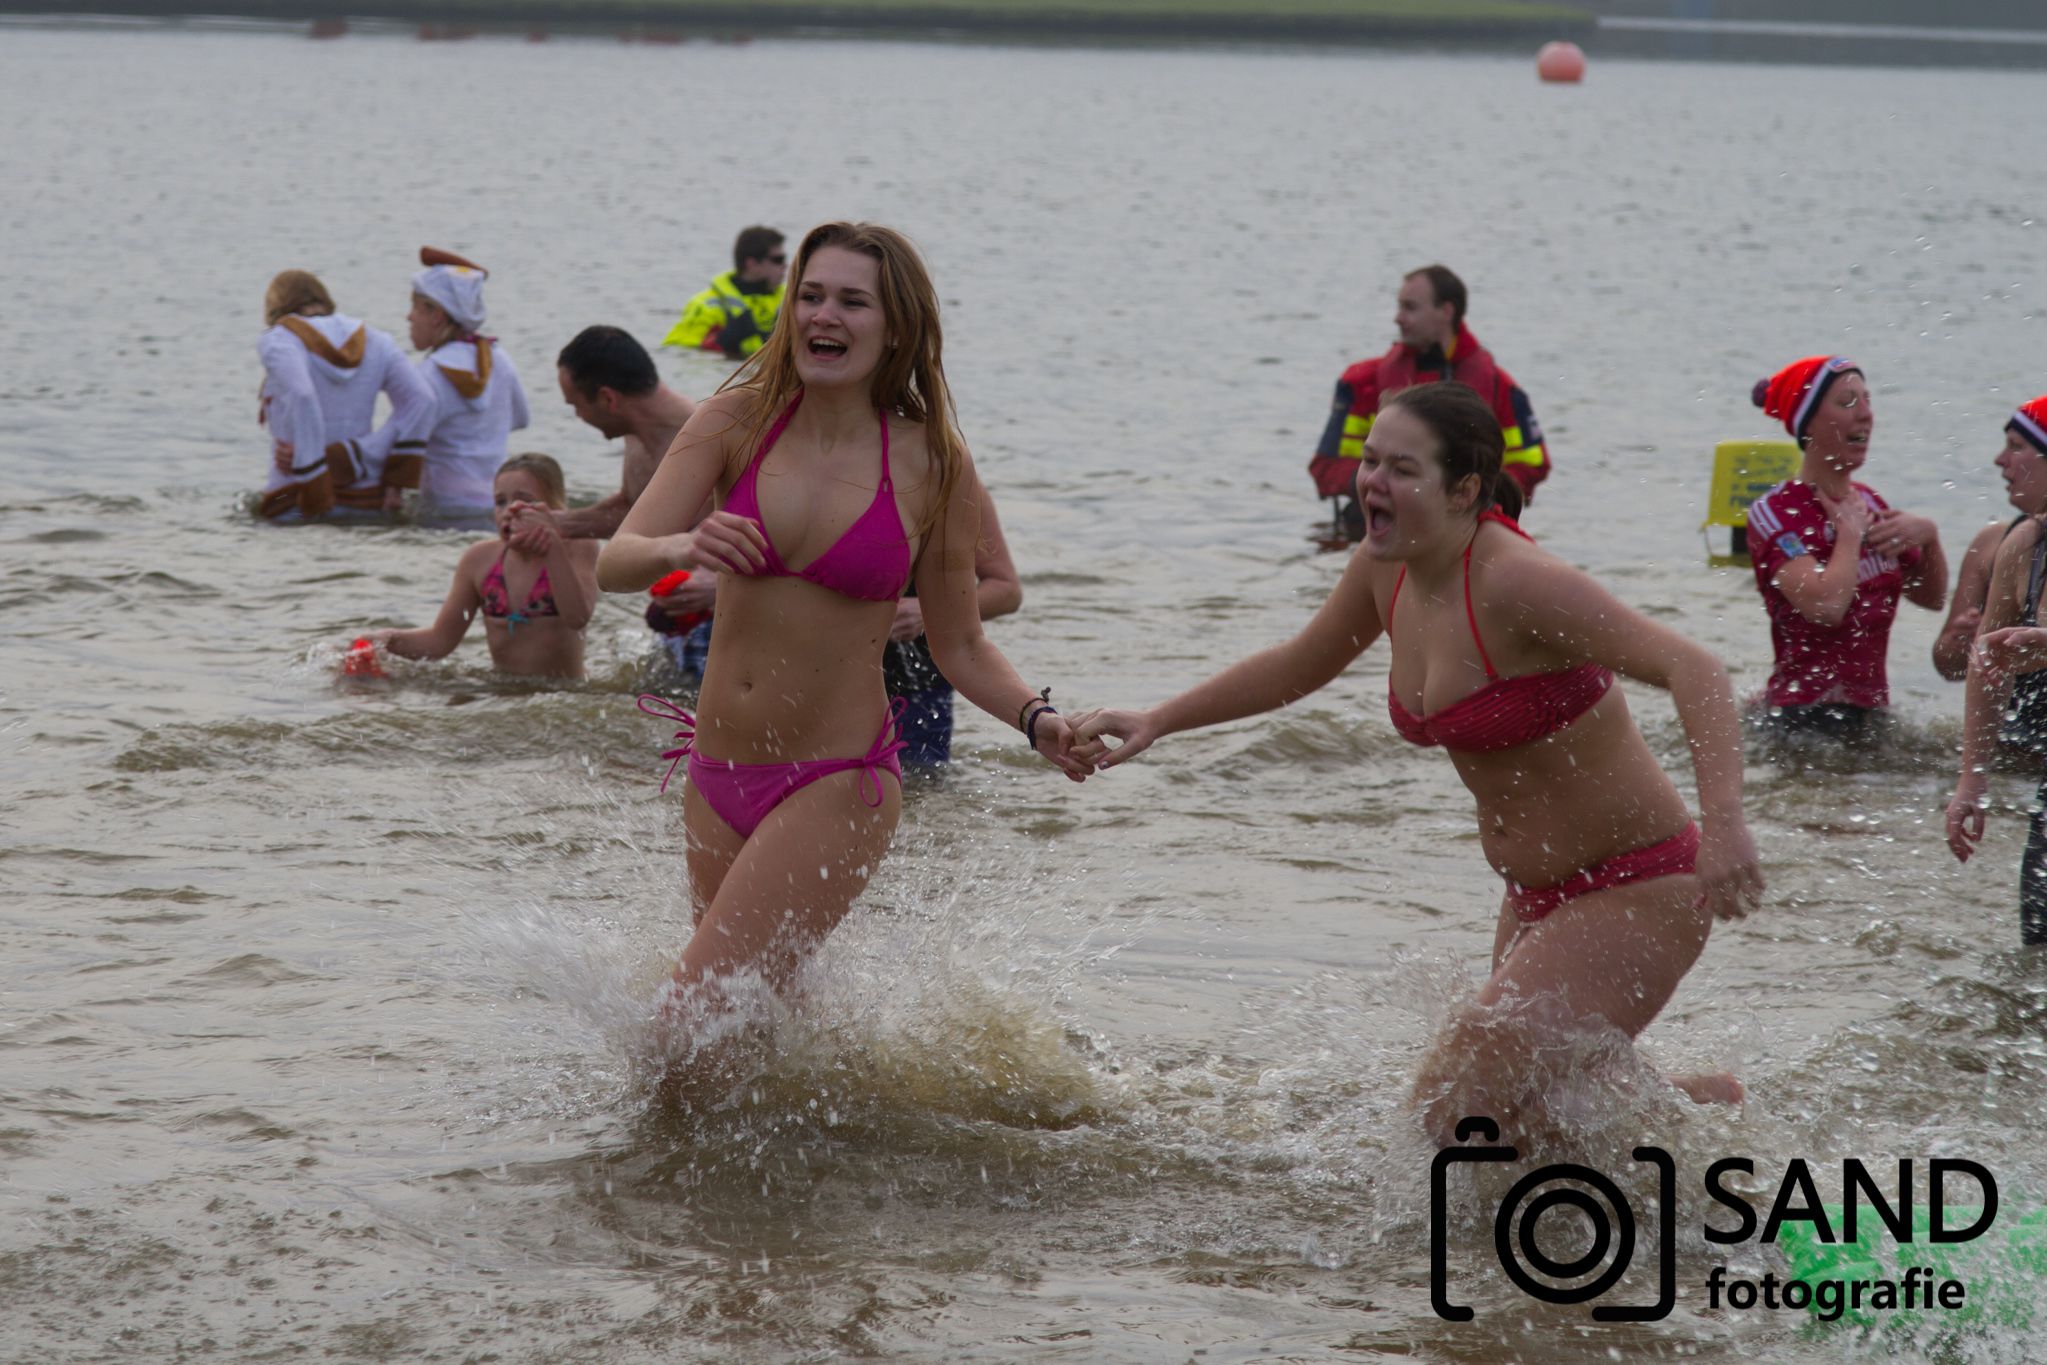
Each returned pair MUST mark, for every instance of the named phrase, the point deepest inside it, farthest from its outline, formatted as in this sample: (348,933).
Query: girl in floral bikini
(534,589)
(1504,656)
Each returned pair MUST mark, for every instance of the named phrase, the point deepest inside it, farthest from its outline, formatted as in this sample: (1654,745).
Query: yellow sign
(1742,472)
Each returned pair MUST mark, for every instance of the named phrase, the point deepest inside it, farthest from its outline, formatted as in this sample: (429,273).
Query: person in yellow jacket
(738,311)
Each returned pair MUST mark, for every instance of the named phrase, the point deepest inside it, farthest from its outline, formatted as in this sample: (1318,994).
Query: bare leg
(763,905)
(1610,959)
(759,905)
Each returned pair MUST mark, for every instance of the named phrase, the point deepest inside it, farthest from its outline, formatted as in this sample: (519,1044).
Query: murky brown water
(321,1003)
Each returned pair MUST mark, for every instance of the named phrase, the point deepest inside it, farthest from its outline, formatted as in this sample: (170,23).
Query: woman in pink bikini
(839,480)
(1504,656)
(534,590)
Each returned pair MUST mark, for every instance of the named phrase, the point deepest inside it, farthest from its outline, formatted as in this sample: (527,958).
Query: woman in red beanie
(1831,557)
(2010,643)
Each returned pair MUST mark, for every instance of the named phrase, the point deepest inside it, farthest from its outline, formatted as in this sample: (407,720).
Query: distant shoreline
(1282,21)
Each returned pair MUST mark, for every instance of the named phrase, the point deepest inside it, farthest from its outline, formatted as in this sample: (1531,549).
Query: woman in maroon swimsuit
(839,480)
(1611,889)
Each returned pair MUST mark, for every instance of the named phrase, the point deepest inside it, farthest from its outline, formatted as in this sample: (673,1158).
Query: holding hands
(1133,731)
(1053,738)
(534,530)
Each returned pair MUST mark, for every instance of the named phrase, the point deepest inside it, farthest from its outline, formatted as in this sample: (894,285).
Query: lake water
(319,1004)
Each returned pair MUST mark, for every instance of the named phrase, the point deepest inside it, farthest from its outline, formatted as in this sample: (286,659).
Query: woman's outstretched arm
(1343,628)
(949,594)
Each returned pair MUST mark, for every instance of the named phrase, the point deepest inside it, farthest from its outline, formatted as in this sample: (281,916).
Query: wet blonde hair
(545,471)
(295,291)
(910,381)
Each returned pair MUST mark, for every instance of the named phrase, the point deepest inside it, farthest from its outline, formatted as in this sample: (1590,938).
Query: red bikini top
(870,561)
(1507,712)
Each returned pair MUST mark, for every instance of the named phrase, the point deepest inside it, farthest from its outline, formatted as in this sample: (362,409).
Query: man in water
(738,311)
(1434,344)
(610,381)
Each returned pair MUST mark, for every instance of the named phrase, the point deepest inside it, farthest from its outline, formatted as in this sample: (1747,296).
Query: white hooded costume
(321,377)
(478,401)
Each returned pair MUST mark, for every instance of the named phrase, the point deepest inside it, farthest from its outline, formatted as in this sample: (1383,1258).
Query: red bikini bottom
(1676,856)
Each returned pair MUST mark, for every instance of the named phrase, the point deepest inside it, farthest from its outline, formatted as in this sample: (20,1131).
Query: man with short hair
(738,311)
(1434,344)
(610,381)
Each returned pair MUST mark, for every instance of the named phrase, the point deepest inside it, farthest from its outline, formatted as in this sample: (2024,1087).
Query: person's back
(322,375)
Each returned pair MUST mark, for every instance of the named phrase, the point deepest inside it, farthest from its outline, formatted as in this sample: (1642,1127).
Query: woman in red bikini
(833,450)
(1504,656)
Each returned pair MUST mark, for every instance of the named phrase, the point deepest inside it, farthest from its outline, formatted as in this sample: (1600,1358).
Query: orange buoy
(330,28)
(1561,63)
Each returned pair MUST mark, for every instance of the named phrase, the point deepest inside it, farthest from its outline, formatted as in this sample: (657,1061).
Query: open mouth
(1378,520)
(827,349)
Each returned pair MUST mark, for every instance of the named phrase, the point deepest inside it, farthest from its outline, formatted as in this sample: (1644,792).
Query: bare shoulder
(2016,550)
(477,559)
(910,460)
(1514,575)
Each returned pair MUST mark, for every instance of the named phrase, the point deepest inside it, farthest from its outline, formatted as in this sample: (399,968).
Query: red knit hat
(1792,395)
(2030,421)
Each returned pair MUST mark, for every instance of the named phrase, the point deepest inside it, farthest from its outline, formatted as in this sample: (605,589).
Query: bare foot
(1717,1087)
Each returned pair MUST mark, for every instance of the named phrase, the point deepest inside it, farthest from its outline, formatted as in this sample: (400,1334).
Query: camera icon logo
(1609,1218)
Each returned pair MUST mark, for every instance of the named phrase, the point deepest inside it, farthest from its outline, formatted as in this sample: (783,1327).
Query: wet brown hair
(909,381)
(546,471)
(1468,439)
(295,291)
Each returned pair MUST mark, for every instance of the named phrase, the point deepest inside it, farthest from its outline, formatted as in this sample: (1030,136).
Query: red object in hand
(361,661)
(667,584)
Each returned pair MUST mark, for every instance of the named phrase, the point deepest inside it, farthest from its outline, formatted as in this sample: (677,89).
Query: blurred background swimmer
(1611,887)
(736,312)
(2010,652)
(322,372)
(534,602)
(2023,466)
(1832,558)
(478,400)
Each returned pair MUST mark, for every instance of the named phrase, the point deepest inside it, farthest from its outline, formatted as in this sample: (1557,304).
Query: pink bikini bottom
(743,794)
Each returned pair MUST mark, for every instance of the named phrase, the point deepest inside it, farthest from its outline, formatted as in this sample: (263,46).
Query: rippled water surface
(322,1002)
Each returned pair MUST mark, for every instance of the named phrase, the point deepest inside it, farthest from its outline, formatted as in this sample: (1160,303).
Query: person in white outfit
(322,371)
(478,400)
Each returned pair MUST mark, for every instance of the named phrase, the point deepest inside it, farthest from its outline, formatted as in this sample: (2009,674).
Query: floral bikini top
(497,603)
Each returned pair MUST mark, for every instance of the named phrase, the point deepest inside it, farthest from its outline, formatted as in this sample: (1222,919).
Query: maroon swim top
(871,561)
(1507,712)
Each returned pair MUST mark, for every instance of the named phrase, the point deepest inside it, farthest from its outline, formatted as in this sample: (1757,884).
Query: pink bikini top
(871,561)
(1507,712)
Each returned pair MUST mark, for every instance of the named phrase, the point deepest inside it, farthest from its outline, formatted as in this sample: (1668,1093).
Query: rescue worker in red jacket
(1434,344)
